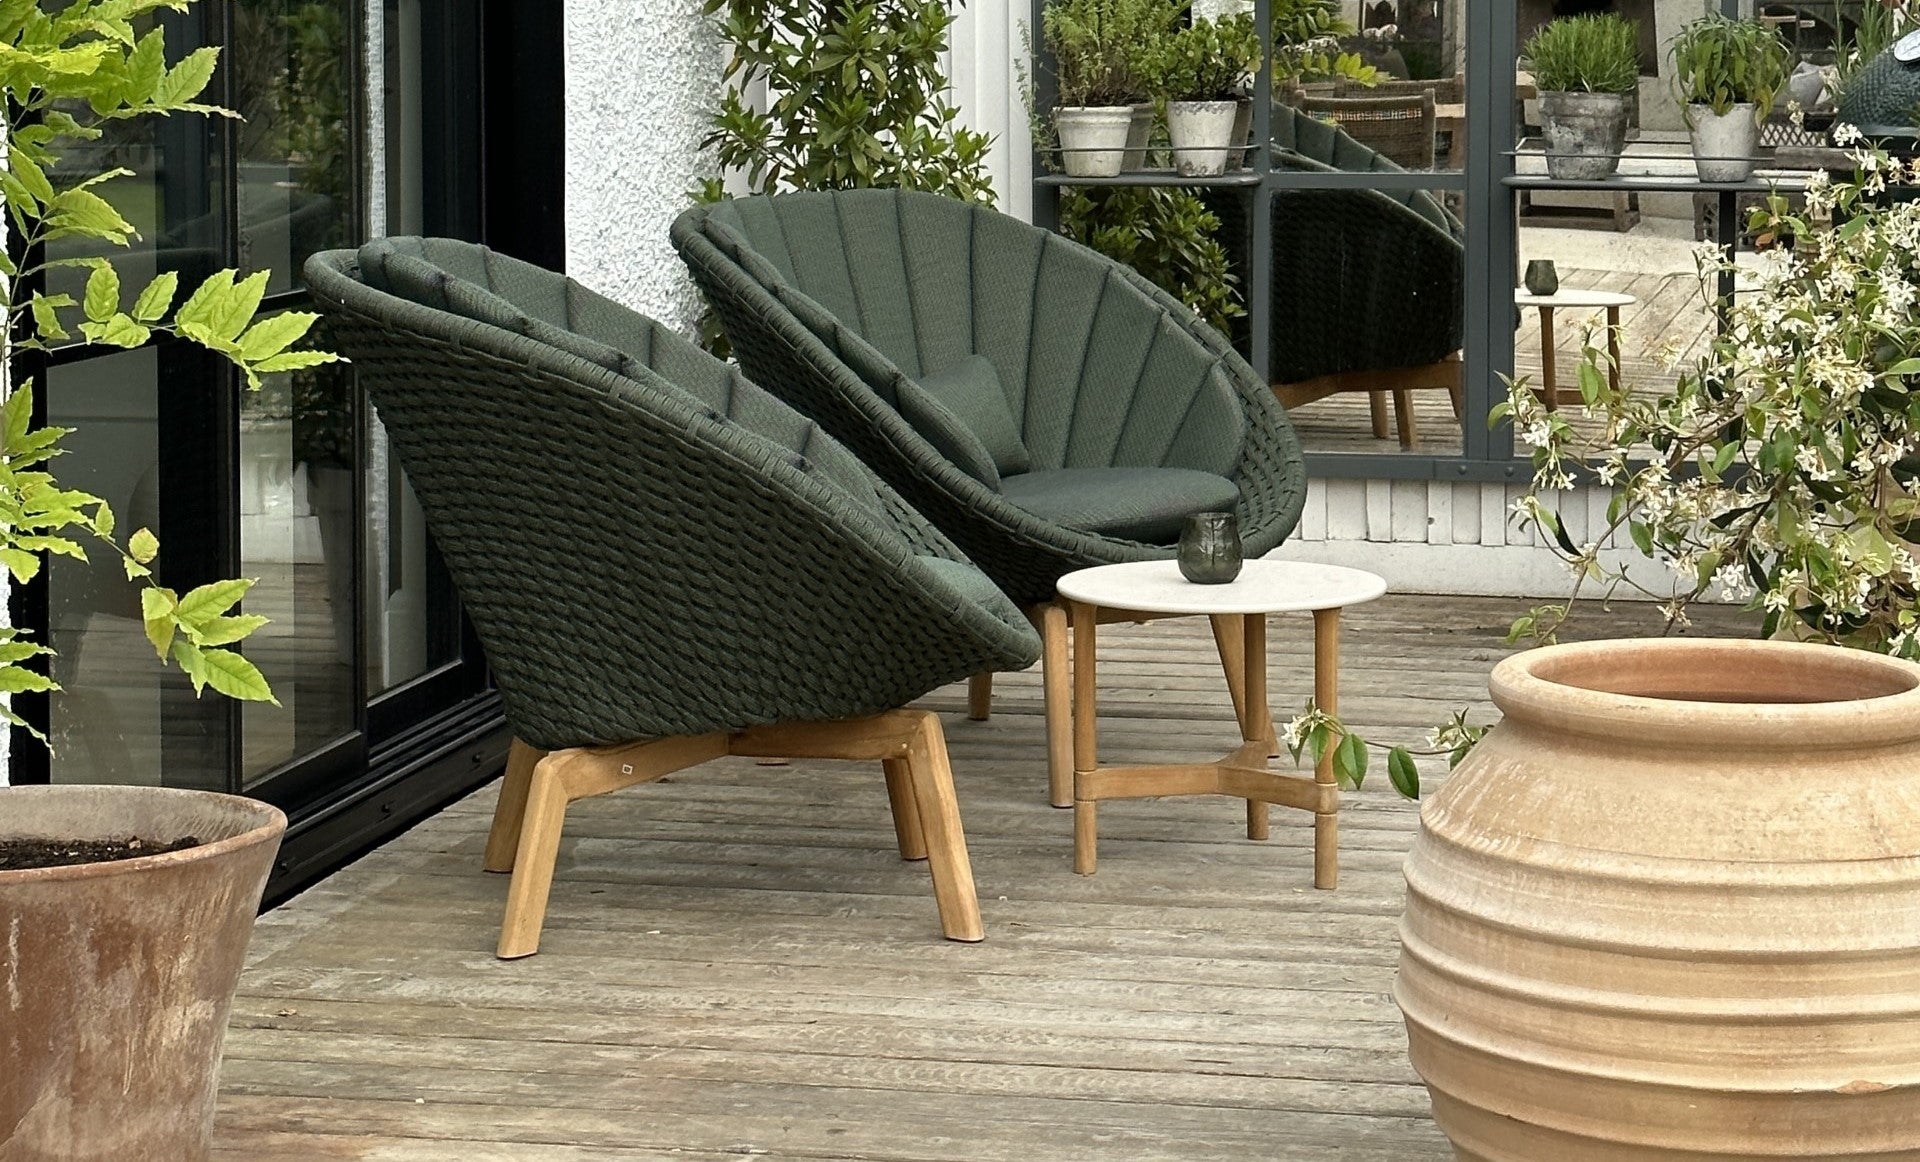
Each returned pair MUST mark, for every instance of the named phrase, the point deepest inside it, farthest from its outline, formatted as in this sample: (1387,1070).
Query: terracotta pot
(116,978)
(1670,909)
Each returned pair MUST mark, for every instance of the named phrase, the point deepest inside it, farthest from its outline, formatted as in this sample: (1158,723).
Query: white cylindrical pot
(1093,141)
(1202,135)
(1215,9)
(1724,144)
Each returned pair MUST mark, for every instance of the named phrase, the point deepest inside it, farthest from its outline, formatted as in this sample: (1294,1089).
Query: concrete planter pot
(1202,135)
(1724,144)
(116,978)
(1670,908)
(1585,133)
(1093,140)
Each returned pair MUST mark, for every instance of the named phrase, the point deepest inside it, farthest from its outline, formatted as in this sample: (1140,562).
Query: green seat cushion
(1134,504)
(970,392)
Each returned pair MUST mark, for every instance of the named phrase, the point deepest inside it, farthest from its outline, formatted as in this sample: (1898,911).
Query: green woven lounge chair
(1046,407)
(1367,284)
(664,563)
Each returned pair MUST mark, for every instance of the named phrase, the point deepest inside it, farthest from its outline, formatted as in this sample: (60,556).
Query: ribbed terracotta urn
(1669,910)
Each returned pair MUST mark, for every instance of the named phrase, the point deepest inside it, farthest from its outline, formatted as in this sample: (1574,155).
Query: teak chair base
(1401,382)
(910,745)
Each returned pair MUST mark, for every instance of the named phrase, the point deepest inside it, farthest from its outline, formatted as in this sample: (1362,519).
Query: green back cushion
(1094,372)
(947,432)
(472,281)
(970,391)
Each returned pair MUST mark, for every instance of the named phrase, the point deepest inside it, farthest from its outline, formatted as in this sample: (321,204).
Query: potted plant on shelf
(1727,72)
(1203,71)
(1588,70)
(126,910)
(1103,119)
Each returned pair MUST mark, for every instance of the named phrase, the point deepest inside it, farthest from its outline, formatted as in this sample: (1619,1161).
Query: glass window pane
(122,717)
(413,619)
(1367,318)
(1391,74)
(297,530)
(292,82)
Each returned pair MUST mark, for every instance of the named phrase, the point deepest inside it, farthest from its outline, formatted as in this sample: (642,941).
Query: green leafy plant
(68,74)
(1879,24)
(1720,63)
(1307,48)
(1101,49)
(1586,54)
(1209,60)
(1165,233)
(856,94)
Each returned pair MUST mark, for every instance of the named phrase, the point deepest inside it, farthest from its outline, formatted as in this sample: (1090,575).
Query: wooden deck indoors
(737,963)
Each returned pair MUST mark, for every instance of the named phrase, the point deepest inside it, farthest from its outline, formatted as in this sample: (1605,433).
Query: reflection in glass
(297,530)
(122,716)
(292,82)
(1367,313)
(1388,73)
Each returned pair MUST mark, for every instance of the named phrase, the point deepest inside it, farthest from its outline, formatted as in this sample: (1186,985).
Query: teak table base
(912,750)
(1243,772)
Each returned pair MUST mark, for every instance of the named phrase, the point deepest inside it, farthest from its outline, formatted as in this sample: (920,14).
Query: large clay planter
(1669,910)
(116,978)
(1585,133)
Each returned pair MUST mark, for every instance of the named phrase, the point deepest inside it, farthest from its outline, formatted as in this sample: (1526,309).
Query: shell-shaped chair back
(833,298)
(648,544)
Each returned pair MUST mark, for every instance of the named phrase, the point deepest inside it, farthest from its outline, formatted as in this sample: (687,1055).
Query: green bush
(1164,232)
(857,98)
(1721,63)
(1212,60)
(1586,54)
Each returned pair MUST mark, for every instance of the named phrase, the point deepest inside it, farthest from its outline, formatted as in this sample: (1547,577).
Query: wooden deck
(737,963)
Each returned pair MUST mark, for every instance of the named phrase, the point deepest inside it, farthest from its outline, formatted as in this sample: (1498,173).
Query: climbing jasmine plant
(68,74)
(1781,472)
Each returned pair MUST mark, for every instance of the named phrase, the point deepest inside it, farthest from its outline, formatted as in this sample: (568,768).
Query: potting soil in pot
(20,854)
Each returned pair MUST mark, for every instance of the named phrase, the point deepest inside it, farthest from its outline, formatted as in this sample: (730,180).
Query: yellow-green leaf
(153,302)
(102,298)
(24,566)
(236,677)
(222,631)
(211,600)
(157,607)
(143,546)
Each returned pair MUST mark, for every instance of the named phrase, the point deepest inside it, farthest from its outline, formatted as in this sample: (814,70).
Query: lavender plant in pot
(125,910)
(1588,70)
(1727,72)
(1203,71)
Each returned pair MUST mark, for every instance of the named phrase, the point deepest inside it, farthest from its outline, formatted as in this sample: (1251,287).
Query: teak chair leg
(504,839)
(980,696)
(1057,677)
(909,743)
(1404,421)
(1377,412)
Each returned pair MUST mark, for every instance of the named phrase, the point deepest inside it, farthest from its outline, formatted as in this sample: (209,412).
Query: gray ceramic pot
(1585,133)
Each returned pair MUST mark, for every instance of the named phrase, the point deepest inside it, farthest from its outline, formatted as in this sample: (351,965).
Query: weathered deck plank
(736,962)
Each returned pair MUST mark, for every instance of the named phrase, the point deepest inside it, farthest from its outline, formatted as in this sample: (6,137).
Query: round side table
(1148,590)
(1573,297)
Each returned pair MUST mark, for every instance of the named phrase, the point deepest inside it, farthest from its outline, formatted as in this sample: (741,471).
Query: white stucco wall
(640,83)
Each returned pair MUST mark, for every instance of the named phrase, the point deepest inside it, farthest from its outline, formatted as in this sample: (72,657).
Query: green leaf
(157,607)
(46,315)
(16,415)
(87,213)
(1642,535)
(143,546)
(233,675)
(294,361)
(211,600)
(102,298)
(1403,773)
(186,80)
(153,302)
(16,680)
(1350,761)
(222,631)
(192,662)
(22,565)
(118,331)
(272,335)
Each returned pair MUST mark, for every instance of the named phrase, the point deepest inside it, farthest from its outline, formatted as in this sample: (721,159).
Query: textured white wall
(640,82)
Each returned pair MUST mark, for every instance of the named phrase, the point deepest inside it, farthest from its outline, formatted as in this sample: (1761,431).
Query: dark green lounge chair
(1367,284)
(1045,406)
(664,563)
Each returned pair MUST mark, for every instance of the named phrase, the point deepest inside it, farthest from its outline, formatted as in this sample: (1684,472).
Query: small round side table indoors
(1148,590)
